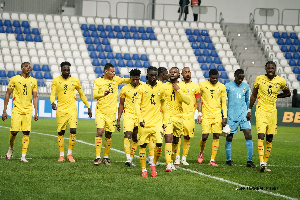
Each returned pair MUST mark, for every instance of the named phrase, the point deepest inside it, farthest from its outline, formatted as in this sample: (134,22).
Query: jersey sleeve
(97,91)
(122,93)
(200,88)
(12,84)
(120,80)
(224,97)
(257,82)
(34,86)
(197,92)
(247,94)
(283,84)
(81,94)
(137,103)
(53,91)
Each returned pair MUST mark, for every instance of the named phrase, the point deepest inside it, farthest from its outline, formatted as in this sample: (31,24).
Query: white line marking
(188,170)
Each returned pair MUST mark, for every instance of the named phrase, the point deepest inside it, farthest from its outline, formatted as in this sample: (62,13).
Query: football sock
(133,148)
(157,154)
(107,146)
(151,146)
(127,145)
(228,150)
(267,151)
(174,151)
(98,145)
(183,158)
(186,147)
(61,143)
(12,139)
(72,141)
(25,142)
(215,147)
(168,152)
(260,146)
(142,153)
(249,146)
(202,145)
(178,147)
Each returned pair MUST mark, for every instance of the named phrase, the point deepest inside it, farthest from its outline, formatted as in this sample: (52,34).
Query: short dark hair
(213,72)
(175,68)
(24,63)
(135,72)
(65,63)
(108,65)
(238,72)
(161,70)
(151,68)
(270,63)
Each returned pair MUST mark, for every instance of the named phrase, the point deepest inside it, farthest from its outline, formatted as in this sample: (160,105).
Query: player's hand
(4,116)
(199,120)
(249,116)
(54,106)
(90,113)
(118,125)
(175,86)
(142,124)
(106,92)
(36,117)
(224,122)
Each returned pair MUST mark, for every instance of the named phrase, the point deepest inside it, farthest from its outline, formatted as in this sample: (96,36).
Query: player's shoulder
(279,78)
(221,85)
(15,78)
(98,80)
(32,79)
(229,84)
(245,85)
(204,83)
(260,77)
(73,78)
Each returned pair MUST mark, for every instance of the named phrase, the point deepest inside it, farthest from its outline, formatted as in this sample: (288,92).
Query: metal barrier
(267,9)
(203,7)
(97,2)
(282,15)
(138,3)
(159,4)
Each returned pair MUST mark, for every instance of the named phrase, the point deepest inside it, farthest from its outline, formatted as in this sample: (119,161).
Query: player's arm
(52,96)
(253,98)
(182,93)
(286,93)
(224,107)
(6,100)
(164,112)
(137,106)
(84,99)
(98,93)
(199,108)
(120,111)
(35,104)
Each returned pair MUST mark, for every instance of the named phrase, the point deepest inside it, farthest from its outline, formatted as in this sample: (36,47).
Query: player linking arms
(238,103)
(24,89)
(212,93)
(130,119)
(267,87)
(151,111)
(65,86)
(105,91)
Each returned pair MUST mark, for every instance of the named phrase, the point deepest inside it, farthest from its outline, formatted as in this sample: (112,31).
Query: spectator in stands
(196,8)
(295,99)
(183,8)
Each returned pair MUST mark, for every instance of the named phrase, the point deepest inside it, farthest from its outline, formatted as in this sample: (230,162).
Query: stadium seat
(37,38)
(195,45)
(113,62)
(96,63)
(202,45)
(7,23)
(204,67)
(84,27)
(296,70)
(149,30)
(129,63)
(292,49)
(3,82)
(36,67)
(103,34)
(2,73)
(208,60)
(146,64)
(217,60)
(224,75)
(29,38)
(192,38)
(99,48)
(144,57)
(121,63)
(107,48)
(127,36)
(280,41)
(26,31)
(20,37)
(88,40)
(111,34)
(135,57)
(214,53)
(41,83)
(205,53)
(284,35)
(293,36)
(127,56)
(120,35)
(103,62)
(220,68)
(100,28)
(207,39)
(98,70)
(47,75)
(110,56)
(200,59)
(298,77)
(199,39)
(35,31)
(38,75)
(276,35)
(188,32)
(288,41)
(10,74)
(117,29)
(288,55)
(18,30)
(152,37)
(284,48)
(292,63)
(296,42)
(16,23)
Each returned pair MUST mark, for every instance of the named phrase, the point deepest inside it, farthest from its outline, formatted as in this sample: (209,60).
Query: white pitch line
(189,170)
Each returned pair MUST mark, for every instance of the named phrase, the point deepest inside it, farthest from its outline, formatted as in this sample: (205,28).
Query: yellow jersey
(107,104)
(193,90)
(211,99)
(268,91)
(66,93)
(22,93)
(175,99)
(129,93)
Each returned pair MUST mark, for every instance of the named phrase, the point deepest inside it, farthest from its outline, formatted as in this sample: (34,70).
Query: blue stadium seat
(108,28)
(3,82)
(192,38)
(296,70)
(126,76)
(47,75)
(105,41)
(210,46)
(10,74)
(103,34)
(298,77)
(288,55)
(199,39)
(86,34)
(293,36)
(298,63)
(121,63)
(113,62)
(92,27)
(207,39)
(36,67)
(205,53)
(146,64)
(7,23)
(208,59)
(16,23)
(292,49)
(143,78)
(100,28)
(97,40)
(127,35)
(38,75)
(212,66)
(138,64)
(284,49)
(220,68)
(127,56)
(120,86)
(136,36)
(84,27)
(98,70)
(220,80)
(292,63)
(91,47)
(125,29)
(296,42)
(119,56)
(135,57)
(2,73)
(202,45)
(188,32)
(111,34)
(31,74)
(204,33)
(284,35)
(276,35)
(224,75)
(226,81)
(19,72)
(217,60)
(197,52)
(144,36)
(298,49)
(93,55)
(213,53)
(41,83)
(46,68)
(120,35)
(144,57)
(102,55)
(9,29)
(288,41)
(25,24)
(99,75)
(200,59)
(95,34)
(141,30)
(2,29)
(103,62)
(27,31)
(1,22)
(195,45)
(110,56)
(88,40)
(152,37)
(20,37)
(18,30)
(133,29)
(117,71)
(197,32)
(37,38)
(99,48)
(35,31)
(96,63)
(206,74)
(280,41)
(296,56)
(29,38)
(117,29)
(149,30)
(107,48)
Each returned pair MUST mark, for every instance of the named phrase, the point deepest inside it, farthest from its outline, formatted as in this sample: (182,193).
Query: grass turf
(44,178)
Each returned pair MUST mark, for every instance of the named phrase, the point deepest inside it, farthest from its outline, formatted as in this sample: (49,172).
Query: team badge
(158,93)
(193,90)
(71,83)
(30,84)
(276,85)
(113,82)
(218,89)
(244,90)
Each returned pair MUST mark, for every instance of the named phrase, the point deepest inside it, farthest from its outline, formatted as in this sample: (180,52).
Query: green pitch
(44,178)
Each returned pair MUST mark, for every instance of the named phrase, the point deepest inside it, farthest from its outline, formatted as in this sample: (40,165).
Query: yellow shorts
(189,126)
(174,126)
(212,125)
(63,118)
(129,122)
(20,121)
(144,134)
(106,121)
(266,122)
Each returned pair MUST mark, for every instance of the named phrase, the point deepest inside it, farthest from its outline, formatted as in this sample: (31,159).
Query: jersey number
(239,96)
(111,90)
(132,99)
(65,88)
(212,93)
(152,99)
(173,96)
(25,89)
(270,90)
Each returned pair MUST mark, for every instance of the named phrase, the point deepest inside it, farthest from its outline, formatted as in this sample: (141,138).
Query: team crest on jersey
(276,85)
(113,82)
(158,93)
(193,90)
(71,83)
(244,90)
(30,84)
(218,89)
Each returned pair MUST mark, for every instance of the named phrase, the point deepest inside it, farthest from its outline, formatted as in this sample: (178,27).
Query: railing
(282,15)
(267,9)
(202,8)
(159,4)
(99,2)
(128,3)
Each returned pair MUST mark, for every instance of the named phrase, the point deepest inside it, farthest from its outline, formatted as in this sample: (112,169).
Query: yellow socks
(202,145)
(12,139)
(107,146)
(260,146)
(25,142)
(168,152)
(178,147)
(174,151)
(215,147)
(186,147)
(98,145)
(143,157)
(267,151)
(157,154)
(72,141)
(127,145)
(151,146)
(133,148)
(61,143)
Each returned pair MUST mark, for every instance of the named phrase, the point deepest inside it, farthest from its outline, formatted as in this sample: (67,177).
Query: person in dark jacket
(183,9)
(295,99)
(196,8)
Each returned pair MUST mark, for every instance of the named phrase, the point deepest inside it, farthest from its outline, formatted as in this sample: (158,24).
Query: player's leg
(215,147)
(249,146)
(15,126)
(107,146)
(61,144)
(261,128)
(151,147)
(174,149)
(127,139)
(12,138)
(168,135)
(206,129)
(134,144)
(72,141)
(142,154)
(157,138)
(260,146)
(228,149)
(188,132)
(185,149)
(177,132)
(177,155)
(98,145)
(269,139)
(26,128)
